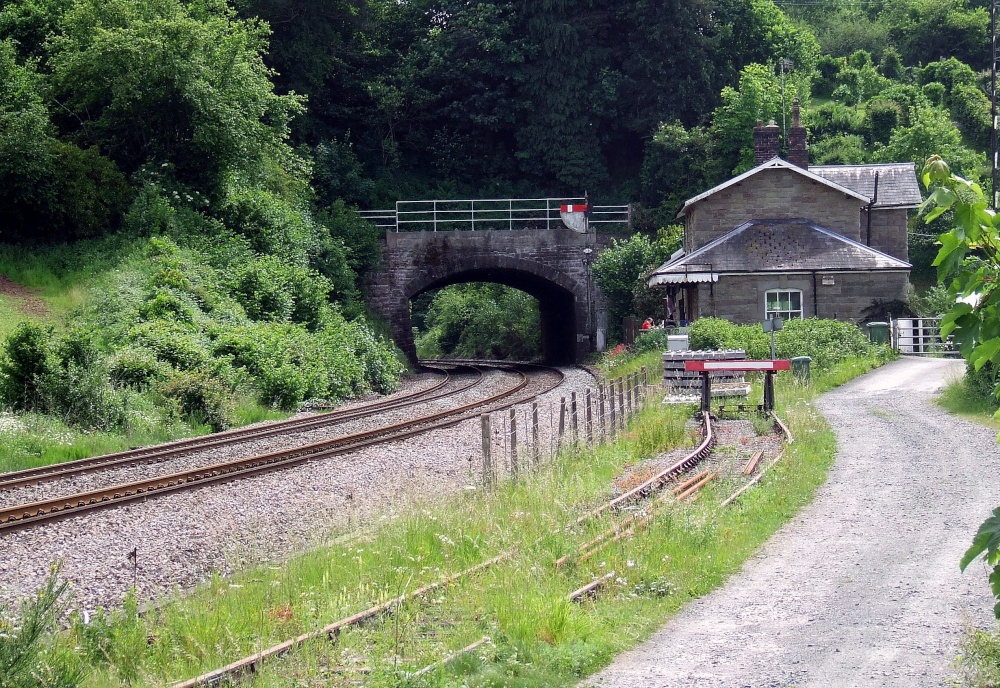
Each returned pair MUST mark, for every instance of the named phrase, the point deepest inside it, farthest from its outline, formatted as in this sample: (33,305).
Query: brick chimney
(766,142)
(798,152)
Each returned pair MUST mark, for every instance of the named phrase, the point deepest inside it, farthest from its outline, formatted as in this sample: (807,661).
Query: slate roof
(774,246)
(781,164)
(897,182)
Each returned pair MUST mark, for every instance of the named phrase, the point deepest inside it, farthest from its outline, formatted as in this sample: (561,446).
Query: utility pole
(993,96)
(783,64)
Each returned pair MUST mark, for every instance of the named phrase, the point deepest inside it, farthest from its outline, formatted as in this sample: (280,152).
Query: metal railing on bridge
(489,213)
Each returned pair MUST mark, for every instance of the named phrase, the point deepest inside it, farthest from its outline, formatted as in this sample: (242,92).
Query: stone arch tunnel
(552,265)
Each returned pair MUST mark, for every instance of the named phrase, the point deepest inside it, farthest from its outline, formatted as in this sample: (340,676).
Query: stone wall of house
(772,194)
(840,296)
(888,231)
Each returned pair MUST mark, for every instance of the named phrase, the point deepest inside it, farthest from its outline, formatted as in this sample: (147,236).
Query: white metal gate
(920,336)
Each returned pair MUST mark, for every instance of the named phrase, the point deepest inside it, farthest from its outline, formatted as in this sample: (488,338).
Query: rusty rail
(162,452)
(249,664)
(658,480)
(26,515)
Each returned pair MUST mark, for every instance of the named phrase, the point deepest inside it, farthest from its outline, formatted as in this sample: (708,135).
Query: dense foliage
(245,131)
(481,321)
(620,270)
(826,342)
(968,263)
(180,333)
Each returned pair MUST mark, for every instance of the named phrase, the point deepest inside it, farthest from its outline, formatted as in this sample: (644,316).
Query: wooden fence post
(590,420)
(487,451)
(600,411)
(537,451)
(621,402)
(514,468)
(573,418)
(562,421)
(613,414)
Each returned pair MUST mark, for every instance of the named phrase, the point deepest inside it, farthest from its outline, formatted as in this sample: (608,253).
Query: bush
(27,656)
(28,360)
(982,383)
(135,368)
(709,334)
(651,340)
(271,289)
(827,342)
(200,398)
(172,343)
(882,117)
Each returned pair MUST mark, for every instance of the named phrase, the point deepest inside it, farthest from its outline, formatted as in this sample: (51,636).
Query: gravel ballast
(862,588)
(182,539)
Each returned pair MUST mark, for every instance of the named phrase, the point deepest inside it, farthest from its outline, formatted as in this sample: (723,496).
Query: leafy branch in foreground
(969,262)
(987,543)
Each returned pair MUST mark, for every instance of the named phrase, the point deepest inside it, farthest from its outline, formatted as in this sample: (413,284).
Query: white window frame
(785,296)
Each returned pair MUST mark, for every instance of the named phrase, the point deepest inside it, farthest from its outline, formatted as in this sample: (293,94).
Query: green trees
(164,82)
(481,321)
(620,267)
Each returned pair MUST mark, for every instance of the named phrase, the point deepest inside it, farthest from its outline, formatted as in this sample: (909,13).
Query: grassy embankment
(121,342)
(56,280)
(538,637)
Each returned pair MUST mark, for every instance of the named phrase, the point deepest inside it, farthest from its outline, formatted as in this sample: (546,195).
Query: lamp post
(993,99)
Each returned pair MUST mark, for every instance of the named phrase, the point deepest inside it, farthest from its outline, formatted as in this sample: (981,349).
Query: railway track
(34,476)
(30,514)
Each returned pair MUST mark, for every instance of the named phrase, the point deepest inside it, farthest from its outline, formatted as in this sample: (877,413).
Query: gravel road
(862,588)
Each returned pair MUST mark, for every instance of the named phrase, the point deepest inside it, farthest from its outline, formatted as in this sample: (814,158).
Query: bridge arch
(550,265)
(557,296)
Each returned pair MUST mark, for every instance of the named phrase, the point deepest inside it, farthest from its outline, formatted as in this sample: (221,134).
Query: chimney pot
(798,151)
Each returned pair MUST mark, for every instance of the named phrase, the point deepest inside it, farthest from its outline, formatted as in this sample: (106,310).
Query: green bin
(878,332)
(800,368)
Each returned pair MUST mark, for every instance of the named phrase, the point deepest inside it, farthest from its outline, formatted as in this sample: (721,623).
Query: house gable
(776,192)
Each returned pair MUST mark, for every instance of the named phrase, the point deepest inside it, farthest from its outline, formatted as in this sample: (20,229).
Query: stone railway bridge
(550,260)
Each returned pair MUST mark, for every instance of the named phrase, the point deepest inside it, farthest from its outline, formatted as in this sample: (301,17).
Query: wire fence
(521,438)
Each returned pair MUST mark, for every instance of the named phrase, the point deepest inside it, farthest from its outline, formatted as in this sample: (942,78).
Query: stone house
(786,239)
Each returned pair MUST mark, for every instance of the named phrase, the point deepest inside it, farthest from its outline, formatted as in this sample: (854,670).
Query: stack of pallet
(684,387)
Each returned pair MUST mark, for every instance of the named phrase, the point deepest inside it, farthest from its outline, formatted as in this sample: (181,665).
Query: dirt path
(27,300)
(862,588)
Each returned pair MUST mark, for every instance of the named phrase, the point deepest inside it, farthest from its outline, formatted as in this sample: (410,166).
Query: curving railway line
(458,381)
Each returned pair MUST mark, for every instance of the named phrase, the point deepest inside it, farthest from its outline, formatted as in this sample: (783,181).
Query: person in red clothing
(647,324)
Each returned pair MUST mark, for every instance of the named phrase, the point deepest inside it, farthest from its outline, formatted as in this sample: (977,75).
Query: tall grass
(538,638)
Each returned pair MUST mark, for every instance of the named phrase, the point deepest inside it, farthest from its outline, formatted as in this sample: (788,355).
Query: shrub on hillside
(136,368)
(289,364)
(178,345)
(272,289)
(200,398)
(28,359)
